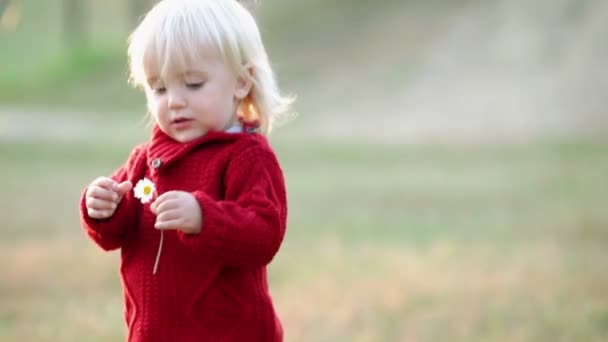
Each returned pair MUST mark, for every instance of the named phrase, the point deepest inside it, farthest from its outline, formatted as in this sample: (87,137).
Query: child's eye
(159,90)
(194,86)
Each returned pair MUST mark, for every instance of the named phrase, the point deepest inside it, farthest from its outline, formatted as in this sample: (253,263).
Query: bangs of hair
(170,40)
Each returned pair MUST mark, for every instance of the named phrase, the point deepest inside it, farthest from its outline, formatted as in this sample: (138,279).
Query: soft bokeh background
(447,172)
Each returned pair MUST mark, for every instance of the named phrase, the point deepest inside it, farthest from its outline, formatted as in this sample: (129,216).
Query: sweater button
(156,163)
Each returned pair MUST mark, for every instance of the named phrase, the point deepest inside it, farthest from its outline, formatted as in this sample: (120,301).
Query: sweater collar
(163,150)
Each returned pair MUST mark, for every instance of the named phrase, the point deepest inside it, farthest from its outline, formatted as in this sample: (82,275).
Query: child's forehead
(156,76)
(171,67)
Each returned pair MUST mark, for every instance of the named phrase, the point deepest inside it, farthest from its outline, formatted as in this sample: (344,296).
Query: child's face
(204,98)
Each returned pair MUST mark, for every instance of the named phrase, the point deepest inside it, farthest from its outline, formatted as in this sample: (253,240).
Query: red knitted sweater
(210,286)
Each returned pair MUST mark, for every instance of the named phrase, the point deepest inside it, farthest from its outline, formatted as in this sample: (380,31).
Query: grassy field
(385,242)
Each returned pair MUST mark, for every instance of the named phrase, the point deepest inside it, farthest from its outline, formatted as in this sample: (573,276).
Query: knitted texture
(210,286)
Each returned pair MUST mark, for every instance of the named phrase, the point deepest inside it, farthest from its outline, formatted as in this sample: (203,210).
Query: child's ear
(244,83)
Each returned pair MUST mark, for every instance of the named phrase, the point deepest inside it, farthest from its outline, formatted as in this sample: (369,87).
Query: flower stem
(160,247)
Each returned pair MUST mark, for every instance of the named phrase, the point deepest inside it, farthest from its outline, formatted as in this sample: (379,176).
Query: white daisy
(144,190)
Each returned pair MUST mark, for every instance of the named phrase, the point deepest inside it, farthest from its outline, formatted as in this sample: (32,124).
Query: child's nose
(176,100)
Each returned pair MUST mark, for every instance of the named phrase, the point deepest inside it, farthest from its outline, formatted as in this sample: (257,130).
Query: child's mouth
(181,122)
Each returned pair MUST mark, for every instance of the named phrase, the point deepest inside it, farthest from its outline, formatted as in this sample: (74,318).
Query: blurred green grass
(38,67)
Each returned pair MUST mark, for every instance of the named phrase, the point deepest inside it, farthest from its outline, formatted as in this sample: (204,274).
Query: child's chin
(184,137)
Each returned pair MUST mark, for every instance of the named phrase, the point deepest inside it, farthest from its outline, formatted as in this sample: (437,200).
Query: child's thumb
(123,188)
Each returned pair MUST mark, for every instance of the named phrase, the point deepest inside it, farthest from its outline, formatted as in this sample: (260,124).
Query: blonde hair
(175,34)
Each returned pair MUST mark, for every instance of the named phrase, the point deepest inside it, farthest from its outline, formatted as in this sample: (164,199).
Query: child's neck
(235,128)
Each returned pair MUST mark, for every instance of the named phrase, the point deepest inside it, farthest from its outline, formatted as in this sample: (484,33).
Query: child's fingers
(161,199)
(123,188)
(98,204)
(102,193)
(99,214)
(167,196)
(169,215)
(165,205)
(105,183)
(170,224)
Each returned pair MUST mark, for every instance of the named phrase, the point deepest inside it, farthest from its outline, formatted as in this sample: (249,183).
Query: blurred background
(446,172)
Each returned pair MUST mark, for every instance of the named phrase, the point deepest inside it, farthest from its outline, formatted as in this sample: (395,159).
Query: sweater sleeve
(109,233)
(248,226)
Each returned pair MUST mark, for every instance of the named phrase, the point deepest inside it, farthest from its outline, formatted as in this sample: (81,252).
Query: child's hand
(178,210)
(103,196)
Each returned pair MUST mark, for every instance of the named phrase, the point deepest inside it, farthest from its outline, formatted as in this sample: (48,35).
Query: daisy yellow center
(147,190)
